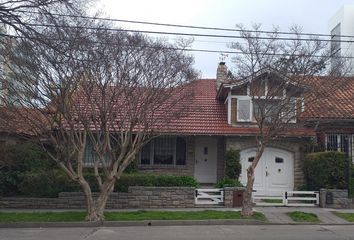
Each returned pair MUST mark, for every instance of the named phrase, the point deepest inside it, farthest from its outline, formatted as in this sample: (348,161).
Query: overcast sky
(312,15)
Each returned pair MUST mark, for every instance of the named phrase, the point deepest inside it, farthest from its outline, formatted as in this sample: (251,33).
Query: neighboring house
(332,117)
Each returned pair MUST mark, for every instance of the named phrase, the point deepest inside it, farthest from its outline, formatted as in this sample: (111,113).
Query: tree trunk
(91,214)
(247,204)
(95,207)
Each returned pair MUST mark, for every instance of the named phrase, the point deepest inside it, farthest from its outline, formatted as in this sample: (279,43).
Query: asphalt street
(245,232)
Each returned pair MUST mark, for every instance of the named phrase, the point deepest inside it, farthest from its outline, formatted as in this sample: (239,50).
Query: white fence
(212,196)
(289,198)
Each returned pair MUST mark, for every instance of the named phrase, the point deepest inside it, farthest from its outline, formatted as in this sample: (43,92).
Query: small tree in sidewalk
(281,77)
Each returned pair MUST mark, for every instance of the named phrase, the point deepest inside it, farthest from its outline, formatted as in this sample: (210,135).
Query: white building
(341,24)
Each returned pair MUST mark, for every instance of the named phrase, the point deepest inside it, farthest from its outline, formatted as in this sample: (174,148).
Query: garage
(274,173)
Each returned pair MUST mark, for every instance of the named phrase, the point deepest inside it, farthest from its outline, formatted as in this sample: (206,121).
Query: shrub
(131,168)
(227,182)
(127,180)
(26,170)
(351,181)
(326,170)
(16,161)
(233,165)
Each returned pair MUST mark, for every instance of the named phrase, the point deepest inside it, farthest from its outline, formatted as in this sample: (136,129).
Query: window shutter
(244,110)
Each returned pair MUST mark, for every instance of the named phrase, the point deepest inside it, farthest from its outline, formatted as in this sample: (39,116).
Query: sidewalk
(277,215)
(274,215)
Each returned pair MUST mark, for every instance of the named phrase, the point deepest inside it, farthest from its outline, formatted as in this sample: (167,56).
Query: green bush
(131,168)
(351,181)
(326,170)
(127,180)
(227,182)
(233,165)
(26,170)
(16,161)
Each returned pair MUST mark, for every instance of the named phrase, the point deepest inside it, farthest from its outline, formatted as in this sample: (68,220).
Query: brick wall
(228,195)
(136,197)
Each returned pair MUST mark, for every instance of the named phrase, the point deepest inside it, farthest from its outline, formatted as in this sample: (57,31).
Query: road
(225,232)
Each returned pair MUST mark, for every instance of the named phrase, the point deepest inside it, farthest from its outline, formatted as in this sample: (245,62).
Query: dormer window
(244,110)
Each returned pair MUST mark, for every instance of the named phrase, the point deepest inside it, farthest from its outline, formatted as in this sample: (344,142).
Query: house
(222,117)
(196,145)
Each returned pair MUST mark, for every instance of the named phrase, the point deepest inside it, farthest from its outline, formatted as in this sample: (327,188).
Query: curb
(148,223)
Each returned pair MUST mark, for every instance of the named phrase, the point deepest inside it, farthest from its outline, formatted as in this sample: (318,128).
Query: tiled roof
(209,116)
(330,99)
(15,121)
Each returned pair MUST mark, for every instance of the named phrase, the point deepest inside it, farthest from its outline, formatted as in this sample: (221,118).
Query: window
(267,109)
(339,142)
(244,107)
(164,151)
(279,160)
(90,156)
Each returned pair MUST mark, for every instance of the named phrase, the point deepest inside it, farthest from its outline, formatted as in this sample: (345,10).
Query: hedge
(227,182)
(326,170)
(127,180)
(26,170)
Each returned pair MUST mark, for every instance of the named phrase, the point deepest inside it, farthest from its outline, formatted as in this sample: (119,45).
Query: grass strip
(298,216)
(125,216)
(346,216)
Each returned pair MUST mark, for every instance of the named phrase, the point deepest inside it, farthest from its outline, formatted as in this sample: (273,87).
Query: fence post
(285,198)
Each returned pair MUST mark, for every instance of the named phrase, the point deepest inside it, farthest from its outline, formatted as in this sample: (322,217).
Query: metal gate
(209,196)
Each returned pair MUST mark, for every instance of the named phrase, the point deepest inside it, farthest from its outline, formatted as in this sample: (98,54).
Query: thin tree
(281,75)
(91,87)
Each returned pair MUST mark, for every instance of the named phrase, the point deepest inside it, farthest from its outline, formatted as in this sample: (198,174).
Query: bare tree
(21,15)
(280,74)
(111,90)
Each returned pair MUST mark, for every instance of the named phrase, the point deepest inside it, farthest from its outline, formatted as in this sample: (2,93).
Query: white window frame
(251,109)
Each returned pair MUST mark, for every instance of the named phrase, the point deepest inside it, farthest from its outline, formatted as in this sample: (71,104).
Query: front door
(205,159)
(274,173)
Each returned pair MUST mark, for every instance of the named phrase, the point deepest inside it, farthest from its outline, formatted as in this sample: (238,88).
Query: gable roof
(223,90)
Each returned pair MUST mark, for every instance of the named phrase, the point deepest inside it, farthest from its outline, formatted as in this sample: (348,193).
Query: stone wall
(136,197)
(339,198)
(292,145)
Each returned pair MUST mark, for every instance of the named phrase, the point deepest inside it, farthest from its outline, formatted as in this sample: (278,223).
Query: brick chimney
(221,74)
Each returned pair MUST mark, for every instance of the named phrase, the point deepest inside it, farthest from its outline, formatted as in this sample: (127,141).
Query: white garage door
(274,173)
